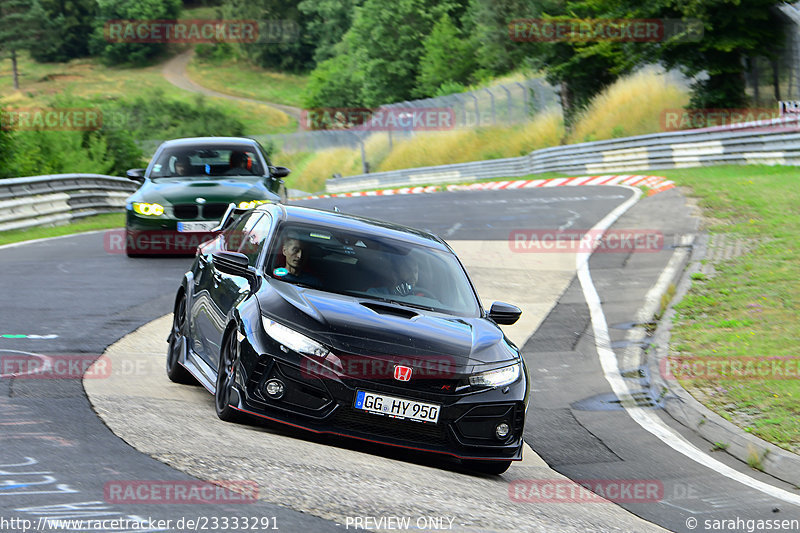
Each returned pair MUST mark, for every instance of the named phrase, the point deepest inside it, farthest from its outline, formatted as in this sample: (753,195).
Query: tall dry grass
(631,106)
(461,146)
(634,105)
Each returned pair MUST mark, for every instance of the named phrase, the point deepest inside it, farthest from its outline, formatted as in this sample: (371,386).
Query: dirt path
(174,71)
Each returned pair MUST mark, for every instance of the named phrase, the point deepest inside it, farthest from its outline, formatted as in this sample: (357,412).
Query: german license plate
(397,407)
(197,226)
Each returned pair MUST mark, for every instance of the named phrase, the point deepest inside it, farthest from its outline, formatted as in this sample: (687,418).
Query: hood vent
(384,309)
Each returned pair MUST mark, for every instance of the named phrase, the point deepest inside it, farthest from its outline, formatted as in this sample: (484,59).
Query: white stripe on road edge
(647,419)
(33,241)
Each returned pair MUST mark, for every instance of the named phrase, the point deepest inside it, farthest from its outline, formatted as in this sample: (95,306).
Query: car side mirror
(279,172)
(504,314)
(136,174)
(233,263)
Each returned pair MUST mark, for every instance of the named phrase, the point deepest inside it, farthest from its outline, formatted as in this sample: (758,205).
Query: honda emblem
(402,373)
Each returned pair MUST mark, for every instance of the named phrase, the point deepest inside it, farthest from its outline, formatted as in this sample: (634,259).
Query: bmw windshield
(218,161)
(377,267)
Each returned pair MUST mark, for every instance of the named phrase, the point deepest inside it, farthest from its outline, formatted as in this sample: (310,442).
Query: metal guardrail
(40,200)
(770,142)
(59,198)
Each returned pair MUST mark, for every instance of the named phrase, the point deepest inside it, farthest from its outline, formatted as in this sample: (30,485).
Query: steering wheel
(422,291)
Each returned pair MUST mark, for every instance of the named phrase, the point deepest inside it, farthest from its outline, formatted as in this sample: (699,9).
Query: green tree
(283,43)
(733,30)
(582,67)
(326,22)
(486,22)
(116,53)
(20,28)
(65,27)
(389,34)
(336,82)
(447,57)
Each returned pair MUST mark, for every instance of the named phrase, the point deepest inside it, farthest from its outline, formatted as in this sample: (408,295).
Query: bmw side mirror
(504,314)
(136,174)
(279,172)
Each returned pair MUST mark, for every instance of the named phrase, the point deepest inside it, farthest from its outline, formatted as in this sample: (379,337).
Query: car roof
(208,141)
(337,220)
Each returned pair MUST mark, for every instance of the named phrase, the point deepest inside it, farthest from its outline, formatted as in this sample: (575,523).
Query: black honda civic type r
(344,325)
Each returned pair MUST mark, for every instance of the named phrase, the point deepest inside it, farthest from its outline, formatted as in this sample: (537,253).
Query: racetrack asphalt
(72,288)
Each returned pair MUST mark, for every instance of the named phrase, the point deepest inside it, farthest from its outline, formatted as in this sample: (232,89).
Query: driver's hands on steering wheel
(403,288)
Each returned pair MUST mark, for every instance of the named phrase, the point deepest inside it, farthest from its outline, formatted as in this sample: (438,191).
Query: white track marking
(645,418)
(34,241)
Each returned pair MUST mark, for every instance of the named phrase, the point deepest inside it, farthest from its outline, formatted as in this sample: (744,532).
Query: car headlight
(496,378)
(293,340)
(151,210)
(251,204)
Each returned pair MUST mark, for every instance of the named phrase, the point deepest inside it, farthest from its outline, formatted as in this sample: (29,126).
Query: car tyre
(225,379)
(177,343)
(488,467)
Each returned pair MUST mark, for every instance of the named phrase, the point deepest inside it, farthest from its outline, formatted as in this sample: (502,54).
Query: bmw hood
(364,326)
(212,190)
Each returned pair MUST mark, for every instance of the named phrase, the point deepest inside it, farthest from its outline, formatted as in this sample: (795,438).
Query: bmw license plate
(397,407)
(197,226)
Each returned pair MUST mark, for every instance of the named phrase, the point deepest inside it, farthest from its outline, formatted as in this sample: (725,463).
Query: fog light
(502,430)
(274,389)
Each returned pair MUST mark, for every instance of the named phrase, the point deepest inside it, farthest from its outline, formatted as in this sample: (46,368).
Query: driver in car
(238,165)
(405,272)
(294,250)
(183,166)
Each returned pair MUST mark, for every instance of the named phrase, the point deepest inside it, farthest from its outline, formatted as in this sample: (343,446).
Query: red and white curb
(655,184)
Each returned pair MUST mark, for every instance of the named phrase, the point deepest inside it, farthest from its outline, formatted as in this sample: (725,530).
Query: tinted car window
(236,234)
(371,266)
(256,230)
(197,161)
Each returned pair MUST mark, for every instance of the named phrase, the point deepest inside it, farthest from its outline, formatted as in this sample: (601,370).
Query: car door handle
(217,278)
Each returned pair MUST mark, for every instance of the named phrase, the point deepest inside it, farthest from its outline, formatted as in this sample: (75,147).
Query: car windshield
(375,267)
(198,161)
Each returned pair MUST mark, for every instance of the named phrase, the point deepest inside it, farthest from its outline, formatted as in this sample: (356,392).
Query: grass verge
(240,78)
(89,80)
(748,311)
(96,222)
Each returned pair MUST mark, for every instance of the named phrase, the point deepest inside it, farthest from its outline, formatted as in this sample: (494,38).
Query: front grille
(185,211)
(214,211)
(429,386)
(390,428)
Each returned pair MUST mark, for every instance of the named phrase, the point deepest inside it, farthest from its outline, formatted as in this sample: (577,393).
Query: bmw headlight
(150,210)
(251,204)
(293,340)
(496,378)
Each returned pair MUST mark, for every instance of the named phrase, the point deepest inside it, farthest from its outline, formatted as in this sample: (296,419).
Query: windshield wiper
(397,302)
